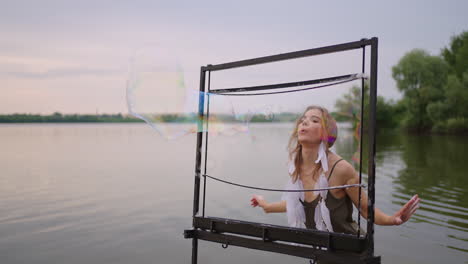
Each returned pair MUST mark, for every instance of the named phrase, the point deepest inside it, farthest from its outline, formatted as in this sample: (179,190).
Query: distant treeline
(119,118)
(60,118)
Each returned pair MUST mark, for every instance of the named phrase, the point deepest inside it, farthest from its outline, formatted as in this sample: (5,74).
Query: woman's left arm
(400,217)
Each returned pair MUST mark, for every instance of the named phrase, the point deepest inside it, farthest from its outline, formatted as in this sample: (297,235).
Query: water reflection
(434,168)
(105,193)
(431,166)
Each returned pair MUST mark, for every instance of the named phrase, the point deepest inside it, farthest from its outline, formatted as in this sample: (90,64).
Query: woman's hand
(405,213)
(257,200)
(277,207)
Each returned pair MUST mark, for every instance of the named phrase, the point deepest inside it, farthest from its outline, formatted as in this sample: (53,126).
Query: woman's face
(309,130)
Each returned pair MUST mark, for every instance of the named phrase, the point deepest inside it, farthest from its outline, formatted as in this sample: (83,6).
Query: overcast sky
(73,56)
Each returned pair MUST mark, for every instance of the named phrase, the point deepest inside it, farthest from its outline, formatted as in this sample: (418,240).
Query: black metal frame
(305,243)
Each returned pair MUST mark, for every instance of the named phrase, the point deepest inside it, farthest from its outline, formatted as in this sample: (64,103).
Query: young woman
(314,166)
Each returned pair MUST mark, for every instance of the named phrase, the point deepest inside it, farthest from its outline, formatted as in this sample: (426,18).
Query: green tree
(349,109)
(389,113)
(456,55)
(451,114)
(457,95)
(421,77)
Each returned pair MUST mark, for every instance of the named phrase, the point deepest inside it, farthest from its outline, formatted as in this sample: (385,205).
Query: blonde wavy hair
(329,135)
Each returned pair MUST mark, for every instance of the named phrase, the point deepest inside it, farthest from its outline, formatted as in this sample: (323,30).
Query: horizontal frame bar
(332,241)
(281,248)
(281,85)
(289,55)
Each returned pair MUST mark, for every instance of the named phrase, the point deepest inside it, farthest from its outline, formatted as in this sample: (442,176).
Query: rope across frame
(284,190)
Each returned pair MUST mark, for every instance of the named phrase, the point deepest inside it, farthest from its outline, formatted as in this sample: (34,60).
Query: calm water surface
(118,193)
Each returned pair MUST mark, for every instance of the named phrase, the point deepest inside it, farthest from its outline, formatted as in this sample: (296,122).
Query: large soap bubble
(157,92)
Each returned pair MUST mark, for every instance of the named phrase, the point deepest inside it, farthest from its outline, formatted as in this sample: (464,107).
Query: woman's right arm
(278,207)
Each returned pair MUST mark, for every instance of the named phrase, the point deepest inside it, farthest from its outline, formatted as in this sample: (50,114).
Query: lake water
(119,193)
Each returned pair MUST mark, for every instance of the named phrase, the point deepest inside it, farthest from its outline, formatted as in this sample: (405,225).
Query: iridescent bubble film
(158,94)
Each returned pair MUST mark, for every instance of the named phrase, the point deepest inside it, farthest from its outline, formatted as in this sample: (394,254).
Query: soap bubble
(158,94)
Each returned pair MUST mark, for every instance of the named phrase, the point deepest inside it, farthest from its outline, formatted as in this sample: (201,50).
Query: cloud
(60,73)
(38,68)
